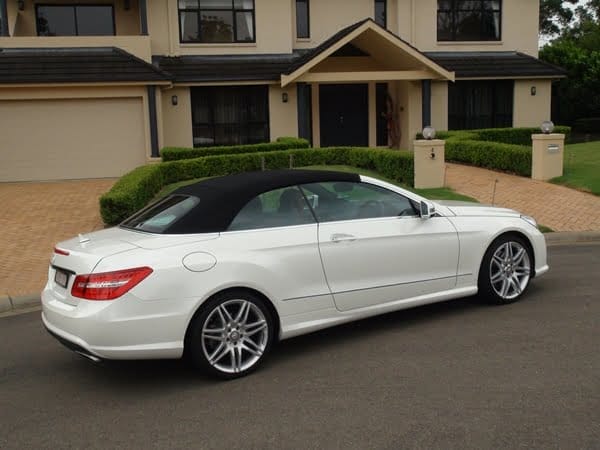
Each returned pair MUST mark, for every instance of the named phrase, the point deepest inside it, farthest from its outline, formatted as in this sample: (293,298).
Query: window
(216,21)
(302,19)
(381,13)
(159,216)
(279,208)
(469,20)
(480,104)
(75,20)
(333,201)
(230,115)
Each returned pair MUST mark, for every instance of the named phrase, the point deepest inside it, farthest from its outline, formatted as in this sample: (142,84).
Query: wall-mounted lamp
(174,100)
(533,90)
(547,127)
(284,97)
(21,5)
(126,5)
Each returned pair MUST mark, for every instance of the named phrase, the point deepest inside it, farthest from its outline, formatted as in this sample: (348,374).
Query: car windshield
(158,217)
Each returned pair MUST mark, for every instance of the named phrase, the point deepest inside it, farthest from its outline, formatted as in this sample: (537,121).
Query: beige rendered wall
(439,105)
(283,117)
(126,22)
(519,28)
(273,30)
(409,112)
(531,110)
(80,132)
(327,17)
(176,120)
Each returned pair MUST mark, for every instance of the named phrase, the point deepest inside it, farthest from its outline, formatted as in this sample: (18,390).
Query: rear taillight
(60,251)
(108,285)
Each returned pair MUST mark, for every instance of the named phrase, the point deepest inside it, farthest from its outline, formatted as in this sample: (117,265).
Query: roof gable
(367,36)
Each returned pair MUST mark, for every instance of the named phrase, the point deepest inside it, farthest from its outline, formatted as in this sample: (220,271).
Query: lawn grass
(581,167)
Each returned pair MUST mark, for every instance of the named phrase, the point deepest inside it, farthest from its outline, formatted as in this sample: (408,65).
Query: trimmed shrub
(138,187)
(516,136)
(491,155)
(282,143)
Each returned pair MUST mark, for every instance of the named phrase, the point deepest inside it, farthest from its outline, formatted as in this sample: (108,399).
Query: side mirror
(426,210)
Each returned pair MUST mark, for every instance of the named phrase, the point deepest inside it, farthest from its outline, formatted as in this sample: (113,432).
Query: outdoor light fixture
(547,127)
(284,97)
(533,90)
(174,100)
(429,132)
(21,5)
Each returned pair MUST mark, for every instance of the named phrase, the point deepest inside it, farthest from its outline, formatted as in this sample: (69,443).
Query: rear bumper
(126,328)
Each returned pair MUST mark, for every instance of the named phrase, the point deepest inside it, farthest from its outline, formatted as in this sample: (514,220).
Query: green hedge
(282,143)
(491,155)
(507,149)
(134,190)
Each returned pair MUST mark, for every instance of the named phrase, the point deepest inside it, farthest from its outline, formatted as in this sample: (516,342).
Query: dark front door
(344,114)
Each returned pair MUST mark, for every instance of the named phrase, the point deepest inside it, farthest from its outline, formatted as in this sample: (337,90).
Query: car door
(376,249)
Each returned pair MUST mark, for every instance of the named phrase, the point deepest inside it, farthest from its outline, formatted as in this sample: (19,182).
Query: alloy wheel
(234,336)
(510,270)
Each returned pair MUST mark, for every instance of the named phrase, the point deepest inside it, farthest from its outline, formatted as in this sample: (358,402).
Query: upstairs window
(216,21)
(75,20)
(381,13)
(302,19)
(469,20)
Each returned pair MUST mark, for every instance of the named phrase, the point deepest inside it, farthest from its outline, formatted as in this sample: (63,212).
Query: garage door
(70,139)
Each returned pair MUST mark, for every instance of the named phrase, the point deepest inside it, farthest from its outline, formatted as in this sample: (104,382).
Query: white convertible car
(221,269)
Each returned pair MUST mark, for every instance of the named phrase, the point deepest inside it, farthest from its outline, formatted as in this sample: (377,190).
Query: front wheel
(505,270)
(232,335)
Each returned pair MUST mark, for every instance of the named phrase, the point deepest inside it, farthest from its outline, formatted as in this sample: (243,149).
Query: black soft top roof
(222,198)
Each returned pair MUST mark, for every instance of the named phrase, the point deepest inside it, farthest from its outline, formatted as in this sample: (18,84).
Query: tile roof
(254,67)
(68,65)
(495,64)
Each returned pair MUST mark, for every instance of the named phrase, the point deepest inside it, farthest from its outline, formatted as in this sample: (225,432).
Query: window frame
(368,185)
(385,12)
(307,19)
(463,89)
(74,7)
(212,105)
(453,11)
(233,11)
(310,210)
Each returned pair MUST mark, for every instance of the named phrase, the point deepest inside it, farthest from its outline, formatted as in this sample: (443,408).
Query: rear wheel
(505,270)
(232,335)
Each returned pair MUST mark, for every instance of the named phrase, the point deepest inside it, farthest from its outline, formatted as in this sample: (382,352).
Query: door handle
(340,237)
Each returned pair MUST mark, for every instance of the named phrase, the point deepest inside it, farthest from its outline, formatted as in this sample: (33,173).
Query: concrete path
(34,217)
(557,207)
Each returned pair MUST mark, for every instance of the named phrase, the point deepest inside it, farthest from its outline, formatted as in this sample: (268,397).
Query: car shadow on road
(161,374)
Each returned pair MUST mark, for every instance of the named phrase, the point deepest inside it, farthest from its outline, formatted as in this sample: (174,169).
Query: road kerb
(571,237)
(5,303)
(25,301)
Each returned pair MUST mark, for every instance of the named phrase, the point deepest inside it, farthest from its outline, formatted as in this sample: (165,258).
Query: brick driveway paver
(557,207)
(35,216)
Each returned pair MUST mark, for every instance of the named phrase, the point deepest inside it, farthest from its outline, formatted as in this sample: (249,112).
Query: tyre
(505,270)
(231,336)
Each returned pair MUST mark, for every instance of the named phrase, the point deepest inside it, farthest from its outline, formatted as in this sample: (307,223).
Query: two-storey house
(93,88)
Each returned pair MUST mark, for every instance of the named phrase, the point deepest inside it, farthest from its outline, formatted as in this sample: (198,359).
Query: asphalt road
(452,375)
